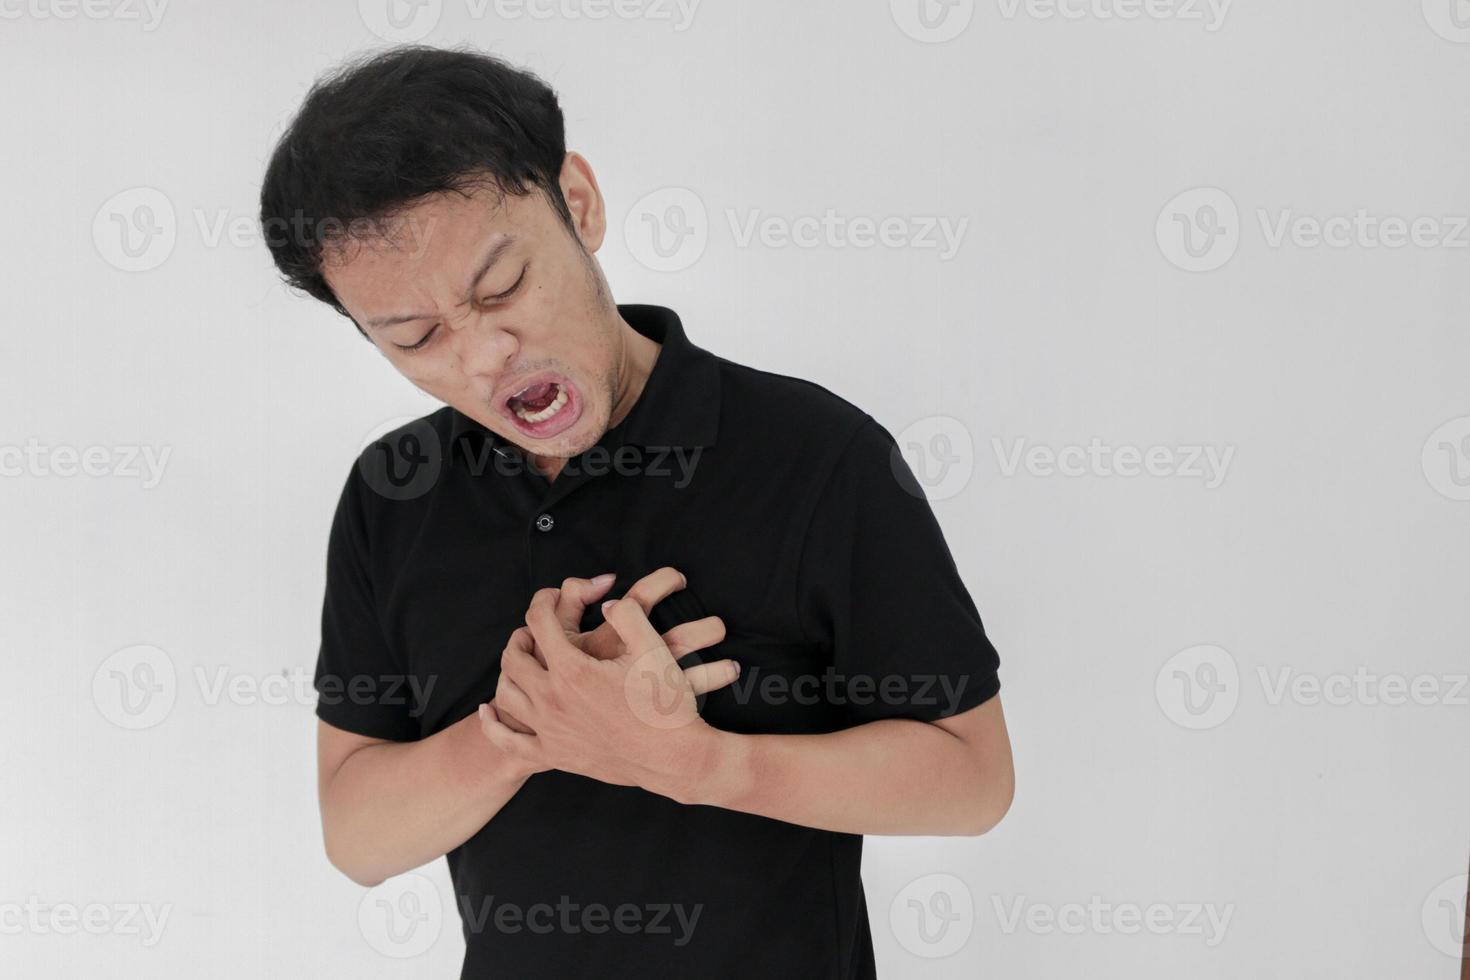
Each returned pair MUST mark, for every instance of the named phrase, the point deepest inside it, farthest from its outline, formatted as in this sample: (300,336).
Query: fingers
(524,639)
(520,671)
(576,595)
(519,665)
(655,587)
(547,632)
(502,736)
(511,721)
(697,634)
(521,639)
(704,678)
(647,592)
(632,626)
(514,698)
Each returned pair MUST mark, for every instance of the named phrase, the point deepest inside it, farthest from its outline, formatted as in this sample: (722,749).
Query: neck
(635,365)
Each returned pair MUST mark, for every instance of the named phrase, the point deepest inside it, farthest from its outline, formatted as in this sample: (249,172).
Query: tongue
(536,397)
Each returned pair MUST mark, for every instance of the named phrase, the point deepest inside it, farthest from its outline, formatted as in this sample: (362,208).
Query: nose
(484,349)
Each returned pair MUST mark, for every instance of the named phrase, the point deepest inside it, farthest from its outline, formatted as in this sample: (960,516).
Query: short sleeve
(359,680)
(877,581)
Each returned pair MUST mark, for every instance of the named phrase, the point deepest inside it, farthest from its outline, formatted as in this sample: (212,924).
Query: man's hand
(630,720)
(604,643)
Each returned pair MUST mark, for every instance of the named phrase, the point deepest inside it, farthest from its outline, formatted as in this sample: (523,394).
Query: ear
(584,200)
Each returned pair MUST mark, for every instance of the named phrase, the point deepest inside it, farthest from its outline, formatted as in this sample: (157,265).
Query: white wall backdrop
(1167,297)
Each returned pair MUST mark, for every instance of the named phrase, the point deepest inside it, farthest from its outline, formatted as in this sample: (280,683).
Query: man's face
(493,307)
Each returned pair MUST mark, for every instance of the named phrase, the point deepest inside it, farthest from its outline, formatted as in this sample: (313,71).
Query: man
(600,503)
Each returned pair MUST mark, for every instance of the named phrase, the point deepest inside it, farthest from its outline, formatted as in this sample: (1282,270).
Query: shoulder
(430,433)
(790,413)
(842,449)
(402,463)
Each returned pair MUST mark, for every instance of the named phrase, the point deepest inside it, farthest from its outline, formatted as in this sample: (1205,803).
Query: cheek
(431,371)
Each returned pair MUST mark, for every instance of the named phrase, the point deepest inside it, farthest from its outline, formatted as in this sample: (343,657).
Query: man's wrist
(490,770)
(712,767)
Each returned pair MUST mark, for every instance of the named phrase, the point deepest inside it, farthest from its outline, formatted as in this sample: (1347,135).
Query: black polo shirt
(794,518)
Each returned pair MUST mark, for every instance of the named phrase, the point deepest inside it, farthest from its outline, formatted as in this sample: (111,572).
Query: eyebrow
(491,257)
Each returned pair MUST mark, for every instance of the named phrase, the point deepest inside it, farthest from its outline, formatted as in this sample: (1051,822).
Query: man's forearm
(634,720)
(391,807)
(889,777)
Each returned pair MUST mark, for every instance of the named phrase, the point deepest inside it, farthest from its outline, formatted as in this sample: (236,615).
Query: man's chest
(468,571)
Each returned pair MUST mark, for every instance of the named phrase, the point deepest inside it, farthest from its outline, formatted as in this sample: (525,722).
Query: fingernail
(484,711)
(737,668)
(604,606)
(604,578)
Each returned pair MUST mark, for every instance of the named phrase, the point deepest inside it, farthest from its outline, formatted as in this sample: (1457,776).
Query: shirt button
(545,523)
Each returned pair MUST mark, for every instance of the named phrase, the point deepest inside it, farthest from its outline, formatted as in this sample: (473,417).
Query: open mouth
(544,408)
(537,403)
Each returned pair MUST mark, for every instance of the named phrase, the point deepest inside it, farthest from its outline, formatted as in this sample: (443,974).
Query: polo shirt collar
(679,406)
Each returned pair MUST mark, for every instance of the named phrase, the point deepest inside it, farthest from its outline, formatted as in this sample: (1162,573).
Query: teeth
(548,411)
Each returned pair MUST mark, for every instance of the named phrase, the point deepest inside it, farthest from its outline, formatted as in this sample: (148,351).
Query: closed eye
(514,286)
(424,340)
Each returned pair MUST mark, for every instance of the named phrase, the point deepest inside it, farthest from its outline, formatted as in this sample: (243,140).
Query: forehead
(430,248)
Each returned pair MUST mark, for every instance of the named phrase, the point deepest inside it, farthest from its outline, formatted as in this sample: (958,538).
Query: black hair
(386,129)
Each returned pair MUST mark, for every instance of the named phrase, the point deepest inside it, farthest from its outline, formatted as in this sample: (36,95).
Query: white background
(1333,542)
